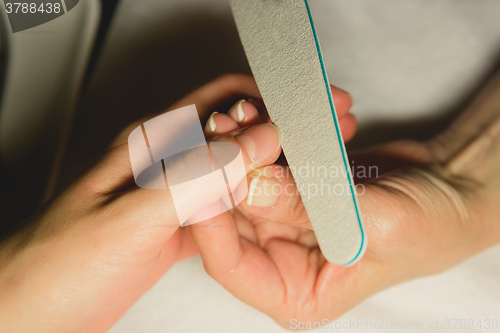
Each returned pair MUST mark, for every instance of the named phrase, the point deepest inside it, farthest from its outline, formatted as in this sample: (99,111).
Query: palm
(285,259)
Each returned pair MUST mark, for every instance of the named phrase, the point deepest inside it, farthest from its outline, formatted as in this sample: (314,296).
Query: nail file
(282,48)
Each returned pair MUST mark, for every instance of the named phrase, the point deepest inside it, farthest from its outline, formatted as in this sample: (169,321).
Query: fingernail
(211,122)
(263,192)
(260,142)
(241,113)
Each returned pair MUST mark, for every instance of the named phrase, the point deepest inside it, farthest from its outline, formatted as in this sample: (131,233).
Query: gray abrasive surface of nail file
(282,48)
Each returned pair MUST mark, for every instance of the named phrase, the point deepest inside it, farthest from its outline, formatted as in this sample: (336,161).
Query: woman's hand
(80,262)
(429,206)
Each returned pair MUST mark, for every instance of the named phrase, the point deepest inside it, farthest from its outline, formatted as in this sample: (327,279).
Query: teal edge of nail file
(283,51)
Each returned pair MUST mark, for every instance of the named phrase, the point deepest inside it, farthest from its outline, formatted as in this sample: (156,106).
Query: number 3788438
(26,8)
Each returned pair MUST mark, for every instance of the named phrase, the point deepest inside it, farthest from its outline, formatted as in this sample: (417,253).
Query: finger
(274,196)
(348,127)
(343,101)
(260,144)
(245,114)
(261,108)
(219,124)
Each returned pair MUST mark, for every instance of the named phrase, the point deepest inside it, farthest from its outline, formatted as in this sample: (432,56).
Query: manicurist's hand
(81,261)
(426,207)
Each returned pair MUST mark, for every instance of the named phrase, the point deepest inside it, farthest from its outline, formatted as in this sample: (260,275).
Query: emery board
(283,50)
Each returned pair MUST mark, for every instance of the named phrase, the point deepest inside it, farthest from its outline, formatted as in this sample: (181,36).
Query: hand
(80,262)
(430,206)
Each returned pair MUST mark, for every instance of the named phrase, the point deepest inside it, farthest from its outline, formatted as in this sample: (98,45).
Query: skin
(433,205)
(81,261)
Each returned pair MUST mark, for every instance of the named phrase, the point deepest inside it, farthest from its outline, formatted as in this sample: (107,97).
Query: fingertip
(261,144)
(220,123)
(348,127)
(218,243)
(343,101)
(244,113)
